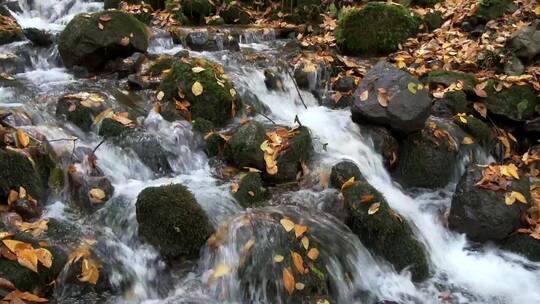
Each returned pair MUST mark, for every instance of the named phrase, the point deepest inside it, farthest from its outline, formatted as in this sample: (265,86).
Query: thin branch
(295,85)
(99,145)
(270,119)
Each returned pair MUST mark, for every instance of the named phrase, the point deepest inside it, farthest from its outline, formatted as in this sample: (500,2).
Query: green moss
(235,14)
(342,172)
(494,9)
(10,30)
(385,232)
(481,132)
(290,161)
(16,170)
(433,20)
(111,128)
(202,125)
(457,101)
(376,28)
(170,219)
(215,145)
(216,21)
(516,103)
(191,12)
(243,149)
(250,191)
(446,78)
(160,65)
(215,104)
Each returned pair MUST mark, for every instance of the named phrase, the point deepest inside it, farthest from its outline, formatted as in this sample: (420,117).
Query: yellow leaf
(234,187)
(97,195)
(467,140)
(305,242)
(28,259)
(221,271)
(266,147)
(298,262)
(299,286)
(44,256)
(22,193)
(287,224)
(197,88)
(509,199)
(299,230)
(510,170)
(374,208)
(22,138)
(278,258)
(89,272)
(15,246)
(519,197)
(349,183)
(288,280)
(104,114)
(313,254)
(197,70)
(462,117)
(480,108)
(364,95)
(35,228)
(411,86)
(232,92)
(160,95)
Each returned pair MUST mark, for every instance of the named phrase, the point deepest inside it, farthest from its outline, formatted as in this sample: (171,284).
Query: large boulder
(206,89)
(406,111)
(90,40)
(376,28)
(170,219)
(384,231)
(17,170)
(243,149)
(250,190)
(523,244)
(525,43)
(517,103)
(10,30)
(428,158)
(481,213)
(81,108)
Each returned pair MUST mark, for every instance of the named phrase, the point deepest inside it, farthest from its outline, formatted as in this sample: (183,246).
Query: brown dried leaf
(288,280)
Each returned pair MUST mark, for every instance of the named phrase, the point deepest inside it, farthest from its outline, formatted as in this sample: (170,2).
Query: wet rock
(524,245)
(170,219)
(385,232)
(38,37)
(10,30)
(214,102)
(406,112)
(11,63)
(82,189)
(384,143)
(235,14)
(111,128)
(345,84)
(480,131)
(514,66)
(204,41)
(494,9)
(428,158)
(273,81)
(525,43)
(148,148)
(155,4)
(516,103)
(126,66)
(16,170)
(191,12)
(342,172)
(376,28)
(252,104)
(243,149)
(433,20)
(80,109)
(452,103)
(215,145)
(121,36)
(26,208)
(250,191)
(447,78)
(482,214)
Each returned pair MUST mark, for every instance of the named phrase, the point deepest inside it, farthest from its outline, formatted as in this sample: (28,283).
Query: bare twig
(270,119)
(296,86)
(97,147)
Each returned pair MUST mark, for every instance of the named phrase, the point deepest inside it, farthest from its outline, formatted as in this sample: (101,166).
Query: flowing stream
(470,275)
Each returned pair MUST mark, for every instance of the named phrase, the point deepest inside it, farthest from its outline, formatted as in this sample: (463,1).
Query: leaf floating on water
(197,88)
(313,254)
(349,183)
(299,286)
(287,224)
(364,95)
(278,258)
(221,271)
(305,242)
(197,69)
(467,140)
(22,138)
(374,208)
(89,272)
(288,280)
(299,230)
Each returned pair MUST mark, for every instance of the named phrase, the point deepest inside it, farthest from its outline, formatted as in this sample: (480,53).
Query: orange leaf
(299,230)
(298,262)
(288,280)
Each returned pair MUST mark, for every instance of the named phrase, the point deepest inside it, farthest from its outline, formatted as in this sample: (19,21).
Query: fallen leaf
(349,183)
(97,195)
(364,95)
(374,208)
(197,69)
(288,280)
(234,187)
(278,258)
(367,198)
(89,272)
(510,170)
(44,256)
(298,262)
(124,41)
(232,92)
(6,284)
(382,97)
(480,108)
(197,88)
(299,230)
(287,224)
(467,140)
(22,138)
(299,286)
(462,117)
(28,259)
(479,89)
(251,193)
(411,86)
(221,271)
(17,295)
(305,242)
(313,254)
(160,95)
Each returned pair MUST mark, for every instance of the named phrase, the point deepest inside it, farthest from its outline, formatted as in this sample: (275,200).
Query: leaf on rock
(349,183)
(512,197)
(197,88)
(232,92)
(299,286)
(89,272)
(467,140)
(462,117)
(36,228)
(510,171)
(19,296)
(44,256)
(288,280)
(305,242)
(278,258)
(6,284)
(412,87)
(298,262)
(299,230)
(479,89)
(28,259)
(368,198)
(287,224)
(382,97)
(234,187)
(124,41)
(160,95)
(313,254)
(22,138)
(97,195)
(374,208)
(480,108)
(197,69)
(364,95)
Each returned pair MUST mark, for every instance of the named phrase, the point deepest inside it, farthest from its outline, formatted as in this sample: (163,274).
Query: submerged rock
(171,220)
(524,245)
(384,231)
(81,108)
(376,28)
(406,111)
(482,214)
(148,148)
(90,40)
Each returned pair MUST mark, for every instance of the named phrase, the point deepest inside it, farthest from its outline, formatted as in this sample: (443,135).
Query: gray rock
(406,112)
(11,63)
(148,148)
(38,37)
(514,67)
(525,43)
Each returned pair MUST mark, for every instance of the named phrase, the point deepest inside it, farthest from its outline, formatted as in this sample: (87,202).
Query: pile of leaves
(24,253)
(89,267)
(276,143)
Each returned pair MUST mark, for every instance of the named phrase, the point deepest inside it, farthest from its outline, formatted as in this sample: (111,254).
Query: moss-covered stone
(250,191)
(452,103)
(523,244)
(494,9)
(161,64)
(10,30)
(191,12)
(516,103)
(243,149)
(202,125)
(235,14)
(479,130)
(385,232)
(342,172)
(376,28)
(446,78)
(81,114)
(16,170)
(217,102)
(155,4)
(433,20)
(215,145)
(84,43)
(170,219)
(111,128)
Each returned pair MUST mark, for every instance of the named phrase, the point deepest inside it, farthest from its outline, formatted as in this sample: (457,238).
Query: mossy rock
(202,126)
(516,103)
(385,232)
(452,103)
(494,9)
(161,64)
(155,4)
(83,43)
(433,20)
(244,147)
(524,245)
(446,78)
(10,30)
(250,191)
(343,171)
(170,219)
(216,103)
(216,21)
(111,128)
(480,131)
(81,114)
(215,145)
(192,12)
(376,28)
(235,14)
(16,170)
